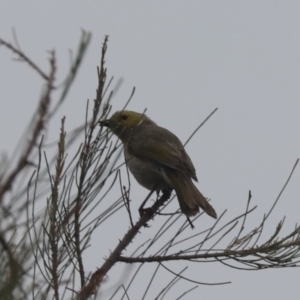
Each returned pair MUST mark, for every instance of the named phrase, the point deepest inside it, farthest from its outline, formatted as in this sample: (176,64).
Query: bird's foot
(143,211)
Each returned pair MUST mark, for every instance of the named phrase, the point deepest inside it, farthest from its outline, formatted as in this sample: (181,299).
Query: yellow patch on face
(127,118)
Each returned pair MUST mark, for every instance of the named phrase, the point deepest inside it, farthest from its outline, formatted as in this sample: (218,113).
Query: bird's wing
(163,147)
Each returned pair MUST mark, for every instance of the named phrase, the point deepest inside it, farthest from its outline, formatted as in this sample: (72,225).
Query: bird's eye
(124,117)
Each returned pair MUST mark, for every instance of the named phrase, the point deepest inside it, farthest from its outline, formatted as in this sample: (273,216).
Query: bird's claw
(144,211)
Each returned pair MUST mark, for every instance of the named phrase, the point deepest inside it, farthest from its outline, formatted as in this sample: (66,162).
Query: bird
(157,159)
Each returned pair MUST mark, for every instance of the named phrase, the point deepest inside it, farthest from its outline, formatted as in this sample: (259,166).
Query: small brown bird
(157,159)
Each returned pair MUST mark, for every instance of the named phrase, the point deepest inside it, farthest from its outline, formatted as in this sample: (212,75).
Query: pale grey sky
(185,58)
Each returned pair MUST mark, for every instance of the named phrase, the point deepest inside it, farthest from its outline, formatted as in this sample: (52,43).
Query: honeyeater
(157,159)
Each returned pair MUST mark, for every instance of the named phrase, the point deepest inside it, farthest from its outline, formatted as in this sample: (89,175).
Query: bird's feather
(154,144)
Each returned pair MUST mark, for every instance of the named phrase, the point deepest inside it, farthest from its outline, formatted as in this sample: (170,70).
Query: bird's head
(121,123)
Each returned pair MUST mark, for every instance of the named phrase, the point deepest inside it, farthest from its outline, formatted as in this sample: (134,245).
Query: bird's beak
(105,123)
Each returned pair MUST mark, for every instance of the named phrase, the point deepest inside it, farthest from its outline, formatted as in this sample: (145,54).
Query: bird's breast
(147,173)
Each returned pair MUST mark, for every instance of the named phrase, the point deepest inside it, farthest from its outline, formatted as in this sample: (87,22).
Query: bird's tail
(189,197)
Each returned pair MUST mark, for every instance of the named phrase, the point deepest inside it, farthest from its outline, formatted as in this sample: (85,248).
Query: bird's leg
(141,209)
(166,194)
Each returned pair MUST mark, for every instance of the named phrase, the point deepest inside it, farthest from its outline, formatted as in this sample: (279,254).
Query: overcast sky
(185,58)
